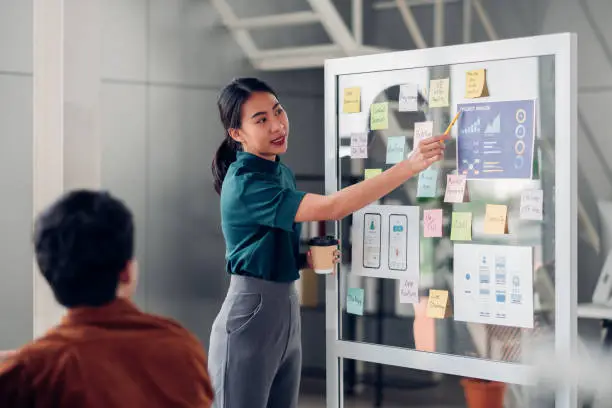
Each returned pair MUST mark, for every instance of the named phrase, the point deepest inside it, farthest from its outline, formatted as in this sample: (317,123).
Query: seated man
(105,352)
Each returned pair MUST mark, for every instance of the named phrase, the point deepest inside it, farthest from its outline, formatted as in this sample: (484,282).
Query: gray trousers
(255,352)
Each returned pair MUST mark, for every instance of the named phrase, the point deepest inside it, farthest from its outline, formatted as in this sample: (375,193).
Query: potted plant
(484,393)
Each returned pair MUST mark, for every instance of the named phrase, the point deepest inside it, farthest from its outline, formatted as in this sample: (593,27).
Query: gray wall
(164,63)
(16,23)
(590,20)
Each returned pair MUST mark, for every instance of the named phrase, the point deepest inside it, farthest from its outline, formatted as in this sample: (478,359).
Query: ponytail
(224,157)
(230,103)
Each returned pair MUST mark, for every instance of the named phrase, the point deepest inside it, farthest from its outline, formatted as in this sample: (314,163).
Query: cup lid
(323,241)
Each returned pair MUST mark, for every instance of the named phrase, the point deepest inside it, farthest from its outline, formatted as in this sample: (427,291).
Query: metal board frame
(563,47)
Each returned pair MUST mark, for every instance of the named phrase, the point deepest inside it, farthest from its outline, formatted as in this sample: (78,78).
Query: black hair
(82,243)
(230,102)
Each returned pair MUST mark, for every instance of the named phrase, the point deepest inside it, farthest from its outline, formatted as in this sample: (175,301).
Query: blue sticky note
(354,301)
(395,149)
(428,183)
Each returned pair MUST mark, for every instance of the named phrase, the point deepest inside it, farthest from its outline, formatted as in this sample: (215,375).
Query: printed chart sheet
(494,284)
(496,140)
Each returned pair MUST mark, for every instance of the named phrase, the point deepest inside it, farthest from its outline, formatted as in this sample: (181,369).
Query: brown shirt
(108,357)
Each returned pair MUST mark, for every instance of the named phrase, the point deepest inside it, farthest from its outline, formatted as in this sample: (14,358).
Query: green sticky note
(461,228)
(428,183)
(354,301)
(379,116)
(395,149)
(369,173)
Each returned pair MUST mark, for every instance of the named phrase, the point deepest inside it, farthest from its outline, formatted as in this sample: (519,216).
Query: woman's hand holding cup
(323,255)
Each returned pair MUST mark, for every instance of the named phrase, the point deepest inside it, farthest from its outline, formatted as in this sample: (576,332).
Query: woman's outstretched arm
(315,207)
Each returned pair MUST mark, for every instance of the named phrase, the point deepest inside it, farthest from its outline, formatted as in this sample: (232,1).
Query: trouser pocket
(244,309)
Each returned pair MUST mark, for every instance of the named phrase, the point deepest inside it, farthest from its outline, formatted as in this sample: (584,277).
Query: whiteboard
(540,69)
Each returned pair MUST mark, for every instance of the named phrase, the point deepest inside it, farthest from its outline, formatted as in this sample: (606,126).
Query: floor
(316,402)
(446,395)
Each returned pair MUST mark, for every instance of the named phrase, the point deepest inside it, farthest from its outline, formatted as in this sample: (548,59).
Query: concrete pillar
(66,116)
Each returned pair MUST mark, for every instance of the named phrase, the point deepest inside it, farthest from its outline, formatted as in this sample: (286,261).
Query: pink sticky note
(432,223)
(456,189)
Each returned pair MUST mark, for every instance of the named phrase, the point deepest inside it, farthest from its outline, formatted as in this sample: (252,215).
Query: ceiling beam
(386,5)
(411,24)
(333,23)
(276,20)
(485,20)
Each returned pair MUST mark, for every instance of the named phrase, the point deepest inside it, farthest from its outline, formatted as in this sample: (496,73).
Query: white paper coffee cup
(323,253)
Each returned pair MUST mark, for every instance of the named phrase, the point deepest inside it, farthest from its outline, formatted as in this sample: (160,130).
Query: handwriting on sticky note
(432,223)
(438,304)
(359,139)
(427,186)
(496,219)
(408,98)
(395,149)
(422,130)
(359,146)
(359,152)
(379,116)
(461,226)
(354,301)
(352,100)
(456,189)
(438,93)
(408,291)
(476,83)
(369,173)
(531,205)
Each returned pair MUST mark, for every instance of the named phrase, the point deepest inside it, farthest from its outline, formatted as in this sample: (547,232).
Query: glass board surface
(369,305)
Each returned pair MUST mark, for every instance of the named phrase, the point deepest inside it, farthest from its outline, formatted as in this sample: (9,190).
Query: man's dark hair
(82,242)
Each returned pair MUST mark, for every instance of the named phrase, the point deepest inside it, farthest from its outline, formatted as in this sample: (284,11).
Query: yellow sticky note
(461,227)
(438,304)
(438,93)
(379,116)
(369,173)
(476,83)
(352,100)
(496,219)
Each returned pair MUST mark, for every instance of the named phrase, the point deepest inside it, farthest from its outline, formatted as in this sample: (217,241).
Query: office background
(162,63)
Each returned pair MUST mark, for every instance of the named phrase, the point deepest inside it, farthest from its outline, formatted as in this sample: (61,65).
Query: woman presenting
(255,352)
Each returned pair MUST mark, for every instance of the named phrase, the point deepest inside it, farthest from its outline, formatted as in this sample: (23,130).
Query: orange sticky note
(438,304)
(352,100)
(432,223)
(476,83)
(496,219)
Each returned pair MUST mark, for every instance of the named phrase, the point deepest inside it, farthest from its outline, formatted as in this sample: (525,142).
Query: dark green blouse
(258,206)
